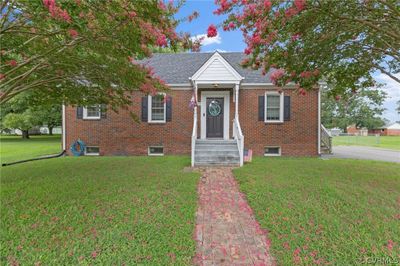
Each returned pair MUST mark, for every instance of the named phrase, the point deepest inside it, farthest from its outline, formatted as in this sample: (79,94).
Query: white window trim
(278,154)
(281,96)
(155,154)
(92,153)
(149,109)
(85,116)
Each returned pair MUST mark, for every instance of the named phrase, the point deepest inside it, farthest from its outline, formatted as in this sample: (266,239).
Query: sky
(232,41)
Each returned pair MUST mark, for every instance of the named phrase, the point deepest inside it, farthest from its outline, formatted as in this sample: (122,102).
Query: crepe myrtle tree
(81,52)
(304,41)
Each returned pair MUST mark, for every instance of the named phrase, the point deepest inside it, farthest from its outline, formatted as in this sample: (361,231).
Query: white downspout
(63,129)
(319,120)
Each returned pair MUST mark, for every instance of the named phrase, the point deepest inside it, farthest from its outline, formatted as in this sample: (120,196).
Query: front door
(215,117)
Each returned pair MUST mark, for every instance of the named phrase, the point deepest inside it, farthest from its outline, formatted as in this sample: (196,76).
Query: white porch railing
(326,139)
(238,135)
(194,133)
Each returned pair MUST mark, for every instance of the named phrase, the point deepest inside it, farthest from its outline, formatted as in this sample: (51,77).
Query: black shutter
(168,115)
(286,108)
(79,112)
(103,109)
(144,108)
(261,107)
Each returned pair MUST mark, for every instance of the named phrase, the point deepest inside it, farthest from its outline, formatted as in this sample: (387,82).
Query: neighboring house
(353,130)
(388,130)
(236,109)
(335,131)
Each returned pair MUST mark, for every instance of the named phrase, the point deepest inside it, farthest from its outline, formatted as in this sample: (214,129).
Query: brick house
(236,109)
(388,130)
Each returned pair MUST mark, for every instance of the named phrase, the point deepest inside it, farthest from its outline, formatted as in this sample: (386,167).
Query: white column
(236,101)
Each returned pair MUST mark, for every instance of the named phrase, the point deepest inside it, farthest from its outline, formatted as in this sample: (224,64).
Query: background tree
(343,42)
(23,113)
(22,121)
(363,109)
(398,107)
(81,52)
(49,115)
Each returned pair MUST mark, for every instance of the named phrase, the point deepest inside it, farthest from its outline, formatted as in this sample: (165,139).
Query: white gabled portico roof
(216,69)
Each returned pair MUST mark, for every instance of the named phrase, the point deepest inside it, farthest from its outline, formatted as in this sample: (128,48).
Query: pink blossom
(286,245)
(12,63)
(162,41)
(94,254)
(248,51)
(306,74)
(231,25)
(132,14)
(300,4)
(73,33)
(337,97)
(276,75)
(212,31)
(267,4)
(2,76)
(390,245)
(295,37)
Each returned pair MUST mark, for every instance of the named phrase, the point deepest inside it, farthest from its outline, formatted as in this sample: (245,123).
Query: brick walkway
(226,230)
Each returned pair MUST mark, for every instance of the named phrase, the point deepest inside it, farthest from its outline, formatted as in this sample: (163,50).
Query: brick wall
(118,134)
(297,137)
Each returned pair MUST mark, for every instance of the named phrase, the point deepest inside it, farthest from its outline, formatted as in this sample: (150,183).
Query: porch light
(215,85)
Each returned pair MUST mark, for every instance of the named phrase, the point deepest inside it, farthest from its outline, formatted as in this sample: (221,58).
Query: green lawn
(327,211)
(387,142)
(14,148)
(98,210)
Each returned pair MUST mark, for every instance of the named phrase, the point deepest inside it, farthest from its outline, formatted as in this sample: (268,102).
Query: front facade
(233,109)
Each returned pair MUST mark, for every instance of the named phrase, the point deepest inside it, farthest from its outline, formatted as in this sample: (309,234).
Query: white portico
(212,84)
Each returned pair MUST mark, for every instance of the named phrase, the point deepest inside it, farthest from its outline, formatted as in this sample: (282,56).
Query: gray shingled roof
(177,68)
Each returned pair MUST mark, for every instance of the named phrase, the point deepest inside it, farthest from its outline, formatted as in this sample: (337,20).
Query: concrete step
(216,164)
(216,148)
(234,153)
(216,152)
(215,141)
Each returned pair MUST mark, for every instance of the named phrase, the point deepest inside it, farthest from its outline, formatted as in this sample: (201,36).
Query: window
(157,108)
(273,107)
(92,150)
(92,112)
(156,150)
(272,151)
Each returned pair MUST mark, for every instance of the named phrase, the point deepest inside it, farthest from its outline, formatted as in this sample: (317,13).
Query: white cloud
(208,41)
(219,50)
(392,88)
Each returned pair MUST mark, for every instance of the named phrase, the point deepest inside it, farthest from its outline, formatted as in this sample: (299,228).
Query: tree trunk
(25,134)
(50,131)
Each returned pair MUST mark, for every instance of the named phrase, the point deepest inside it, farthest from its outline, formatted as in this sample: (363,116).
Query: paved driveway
(366,153)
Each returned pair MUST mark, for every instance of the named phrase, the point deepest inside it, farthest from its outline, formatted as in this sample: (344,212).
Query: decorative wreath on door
(214,108)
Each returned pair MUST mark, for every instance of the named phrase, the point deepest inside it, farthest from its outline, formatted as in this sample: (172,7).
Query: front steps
(216,152)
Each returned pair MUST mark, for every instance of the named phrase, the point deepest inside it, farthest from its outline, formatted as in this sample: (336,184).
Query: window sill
(272,155)
(155,154)
(92,154)
(91,118)
(273,122)
(157,122)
